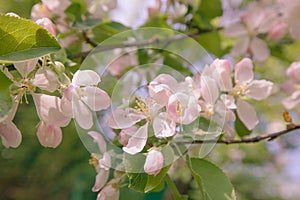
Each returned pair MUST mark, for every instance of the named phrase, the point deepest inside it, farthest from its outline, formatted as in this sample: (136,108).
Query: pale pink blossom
(278,31)
(47,24)
(85,97)
(49,135)
(46,79)
(154,162)
(99,8)
(39,10)
(109,192)
(57,6)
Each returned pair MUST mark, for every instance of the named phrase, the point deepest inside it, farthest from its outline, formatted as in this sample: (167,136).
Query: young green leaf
(240,128)
(212,181)
(22,39)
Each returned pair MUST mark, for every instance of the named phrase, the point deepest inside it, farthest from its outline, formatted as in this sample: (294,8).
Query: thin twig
(268,137)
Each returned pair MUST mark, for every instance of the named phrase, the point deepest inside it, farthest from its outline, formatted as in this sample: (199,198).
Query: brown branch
(268,137)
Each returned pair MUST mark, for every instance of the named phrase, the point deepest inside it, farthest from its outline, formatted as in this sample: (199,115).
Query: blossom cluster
(148,123)
(260,21)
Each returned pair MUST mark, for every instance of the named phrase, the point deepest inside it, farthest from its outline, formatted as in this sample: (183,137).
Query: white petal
(229,101)
(82,114)
(259,89)
(138,141)
(120,118)
(243,71)
(163,127)
(98,138)
(49,109)
(96,98)
(292,100)
(259,49)
(24,68)
(46,79)
(85,78)
(10,134)
(109,193)
(154,162)
(247,114)
(49,135)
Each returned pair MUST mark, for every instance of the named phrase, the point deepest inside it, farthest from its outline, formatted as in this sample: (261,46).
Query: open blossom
(254,21)
(109,192)
(52,119)
(154,162)
(83,97)
(292,86)
(246,87)
(134,138)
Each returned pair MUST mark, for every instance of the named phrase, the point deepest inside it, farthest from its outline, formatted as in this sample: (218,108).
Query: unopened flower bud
(47,24)
(154,162)
(59,67)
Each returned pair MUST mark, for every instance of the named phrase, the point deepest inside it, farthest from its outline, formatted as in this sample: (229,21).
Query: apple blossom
(109,192)
(154,162)
(49,135)
(83,96)
(47,24)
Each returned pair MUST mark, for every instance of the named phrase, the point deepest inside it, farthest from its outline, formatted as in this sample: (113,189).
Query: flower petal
(46,79)
(85,78)
(10,134)
(82,114)
(109,193)
(49,135)
(259,89)
(98,138)
(154,162)
(259,49)
(101,179)
(247,114)
(291,101)
(241,46)
(121,118)
(163,127)
(243,71)
(24,68)
(209,90)
(138,140)
(96,98)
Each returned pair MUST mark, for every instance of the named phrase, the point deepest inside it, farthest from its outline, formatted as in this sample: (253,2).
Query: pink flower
(46,79)
(84,96)
(246,87)
(109,192)
(47,24)
(154,162)
(278,31)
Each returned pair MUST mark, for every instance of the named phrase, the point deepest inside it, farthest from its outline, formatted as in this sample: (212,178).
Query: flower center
(22,88)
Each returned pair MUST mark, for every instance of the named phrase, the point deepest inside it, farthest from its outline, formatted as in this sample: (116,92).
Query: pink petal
(229,101)
(47,24)
(292,100)
(222,74)
(247,114)
(154,162)
(109,193)
(163,127)
(49,135)
(10,134)
(259,89)
(49,109)
(46,79)
(294,71)
(243,71)
(101,179)
(162,87)
(259,49)
(120,118)
(138,140)
(96,98)
(24,68)
(126,134)
(82,114)
(209,90)
(235,30)
(85,78)
(98,138)
(241,46)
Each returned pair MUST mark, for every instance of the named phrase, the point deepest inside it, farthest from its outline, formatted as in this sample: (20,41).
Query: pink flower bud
(278,31)
(10,134)
(294,71)
(154,162)
(109,192)
(49,135)
(126,134)
(47,24)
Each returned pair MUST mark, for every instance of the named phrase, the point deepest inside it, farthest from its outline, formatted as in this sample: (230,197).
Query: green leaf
(22,39)
(212,42)
(5,99)
(210,9)
(212,181)
(106,30)
(140,181)
(240,128)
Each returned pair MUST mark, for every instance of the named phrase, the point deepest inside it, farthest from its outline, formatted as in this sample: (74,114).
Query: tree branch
(268,137)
